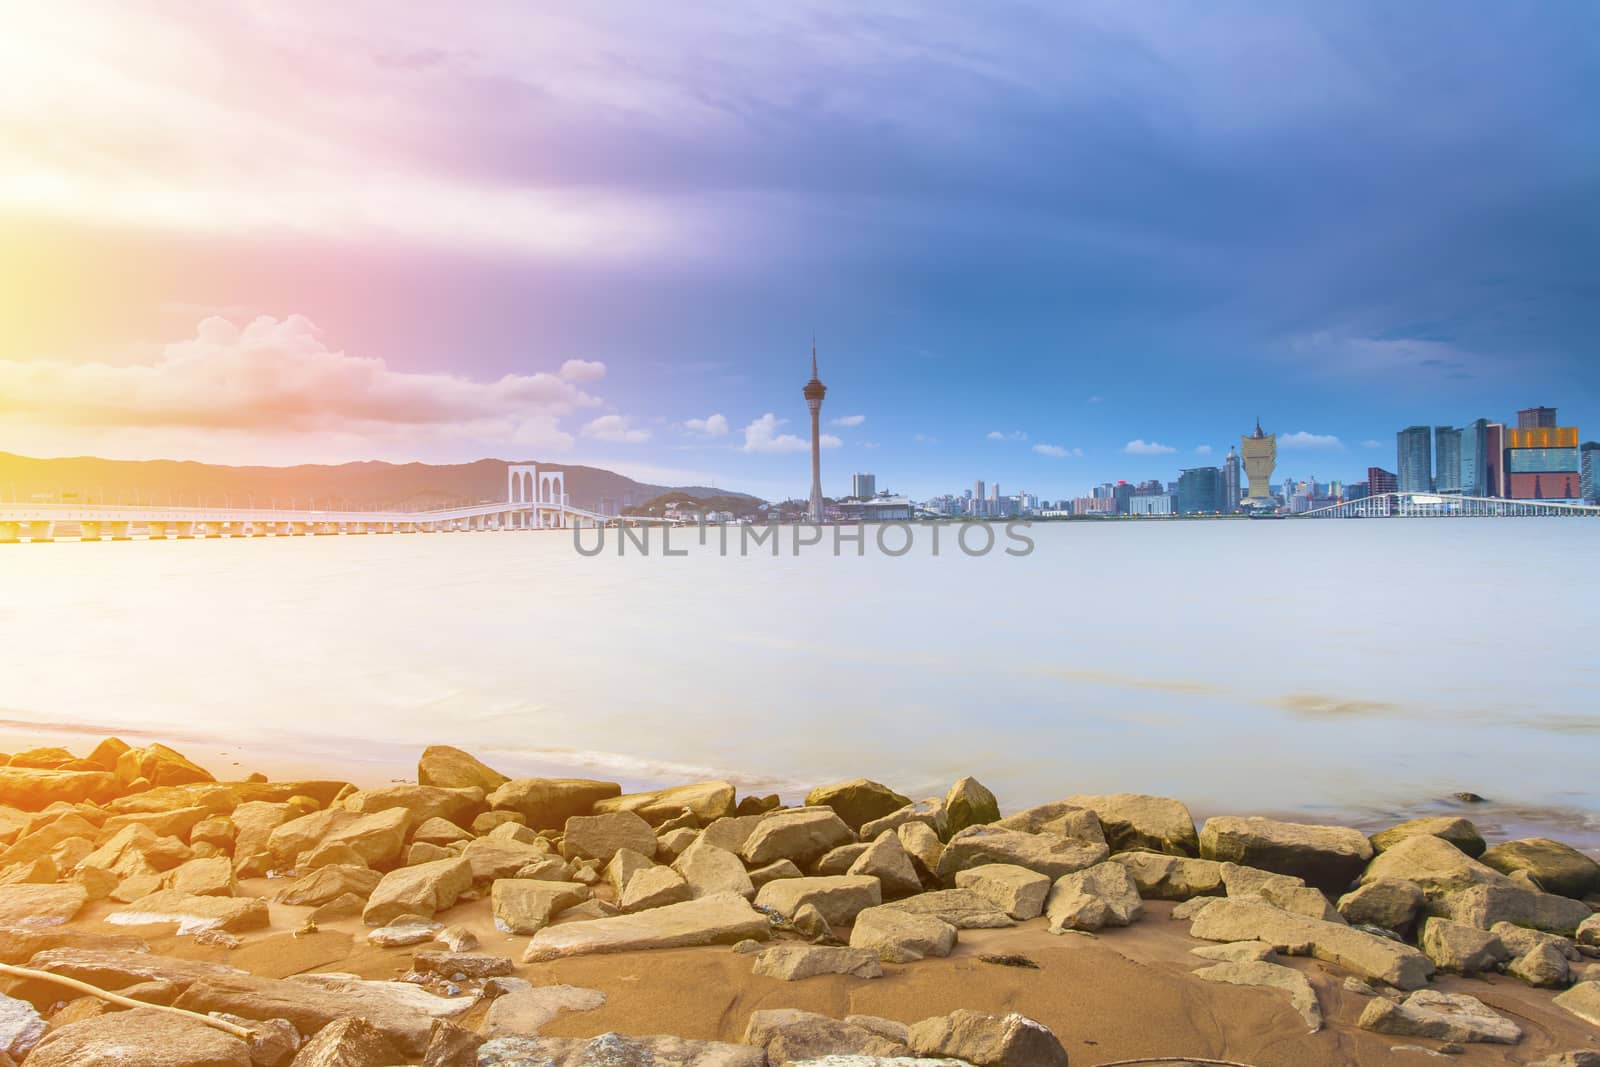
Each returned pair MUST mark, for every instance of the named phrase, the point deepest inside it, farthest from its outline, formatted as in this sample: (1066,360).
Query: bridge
(1446,506)
(535,500)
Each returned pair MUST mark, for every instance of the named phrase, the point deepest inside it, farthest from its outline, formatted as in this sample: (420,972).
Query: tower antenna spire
(813,353)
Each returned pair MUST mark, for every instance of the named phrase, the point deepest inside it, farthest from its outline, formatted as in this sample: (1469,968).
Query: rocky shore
(152,916)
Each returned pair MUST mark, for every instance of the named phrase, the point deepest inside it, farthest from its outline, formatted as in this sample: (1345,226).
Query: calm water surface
(1364,668)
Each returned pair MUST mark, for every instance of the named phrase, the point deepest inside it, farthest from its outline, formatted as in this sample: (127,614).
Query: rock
(838,897)
(968,804)
(486,822)
(1048,854)
(857,801)
(800,836)
(1327,857)
(450,1045)
(1370,956)
(1280,890)
(792,962)
(623,865)
(41,905)
(526,906)
(708,801)
(1558,868)
(420,802)
(1441,1017)
(1588,932)
(673,842)
(1459,832)
(451,768)
(1060,817)
(929,812)
(616,1049)
(791,1036)
(253,826)
(1582,1000)
(21,1026)
(348,1043)
(838,860)
(924,847)
(1103,895)
(1017,891)
(160,766)
(473,965)
(1484,905)
(887,860)
(343,906)
(1542,966)
(1433,864)
(811,923)
(1461,949)
(492,858)
(179,822)
(527,1008)
(547,803)
(142,1037)
(205,878)
(710,870)
(439,832)
(422,852)
(1136,821)
(731,833)
(986,1040)
(404,930)
(1391,903)
(961,908)
(118,968)
(212,831)
(1238,952)
(425,889)
(773,871)
(378,838)
(1166,877)
(135,850)
(598,837)
(33,789)
(723,918)
(193,914)
(1580,1058)
(654,887)
(1520,939)
(1273,976)
(898,936)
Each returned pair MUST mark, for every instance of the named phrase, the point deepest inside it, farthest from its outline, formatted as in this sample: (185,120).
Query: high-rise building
(1199,490)
(1474,458)
(1536,419)
(1589,470)
(1122,492)
(1260,452)
(1494,459)
(979,504)
(863,486)
(1542,463)
(1414,460)
(1380,481)
(814,392)
(1230,482)
(1447,459)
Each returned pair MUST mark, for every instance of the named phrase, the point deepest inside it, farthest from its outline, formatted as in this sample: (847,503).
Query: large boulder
(858,801)
(723,918)
(839,897)
(1484,905)
(1100,896)
(1327,857)
(1439,1017)
(21,1027)
(1582,1000)
(118,968)
(1017,891)
(1461,949)
(1454,829)
(1138,821)
(421,890)
(801,836)
(41,905)
(547,803)
(710,870)
(1558,868)
(654,887)
(788,1035)
(143,1037)
(194,914)
(1167,877)
(732,832)
(656,1050)
(1432,863)
(1048,854)
(791,962)
(707,801)
(451,768)
(348,1042)
(328,883)
(160,766)
(598,837)
(526,905)
(986,1040)
(969,804)
(423,802)
(34,789)
(1272,976)
(899,936)
(887,860)
(1391,903)
(1369,955)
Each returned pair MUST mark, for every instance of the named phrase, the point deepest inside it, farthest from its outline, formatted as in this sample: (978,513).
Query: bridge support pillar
(120,531)
(39,532)
(185,530)
(9,532)
(155,530)
(88,531)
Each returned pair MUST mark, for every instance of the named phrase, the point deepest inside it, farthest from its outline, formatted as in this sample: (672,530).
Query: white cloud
(1014,435)
(1140,447)
(710,426)
(1310,442)
(615,429)
(925,439)
(1371,444)
(848,420)
(1057,451)
(583,370)
(1202,450)
(762,436)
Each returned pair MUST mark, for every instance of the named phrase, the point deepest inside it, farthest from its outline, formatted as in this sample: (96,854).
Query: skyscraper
(1589,470)
(1447,459)
(863,486)
(1536,419)
(1542,463)
(979,504)
(814,392)
(1414,460)
(1475,458)
(1260,451)
(1380,481)
(1230,482)
(1199,490)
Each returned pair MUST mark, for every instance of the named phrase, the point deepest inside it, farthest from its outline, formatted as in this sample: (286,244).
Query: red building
(1380,481)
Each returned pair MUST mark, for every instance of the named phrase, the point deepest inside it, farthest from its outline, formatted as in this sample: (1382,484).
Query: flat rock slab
(1440,1016)
(722,918)
(140,1037)
(1368,955)
(192,914)
(1327,857)
(655,1051)
(1582,1000)
(41,905)
(1272,976)
(21,1026)
(837,897)
(523,1011)
(112,969)
(792,962)
(962,908)
(1049,854)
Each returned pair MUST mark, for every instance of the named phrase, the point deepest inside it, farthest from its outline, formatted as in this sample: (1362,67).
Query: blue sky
(1047,244)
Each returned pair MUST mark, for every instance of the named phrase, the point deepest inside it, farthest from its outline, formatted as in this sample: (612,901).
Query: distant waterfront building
(1536,419)
(1447,449)
(814,392)
(1230,482)
(1380,481)
(1094,505)
(1199,490)
(1494,459)
(1414,459)
(1542,463)
(1356,491)
(863,486)
(874,509)
(1121,493)
(1589,470)
(1147,505)
(1260,452)
(1474,458)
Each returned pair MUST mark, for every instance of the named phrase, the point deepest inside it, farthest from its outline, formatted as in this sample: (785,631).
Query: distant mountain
(356,485)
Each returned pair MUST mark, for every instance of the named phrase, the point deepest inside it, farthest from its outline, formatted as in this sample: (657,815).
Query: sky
(1047,245)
